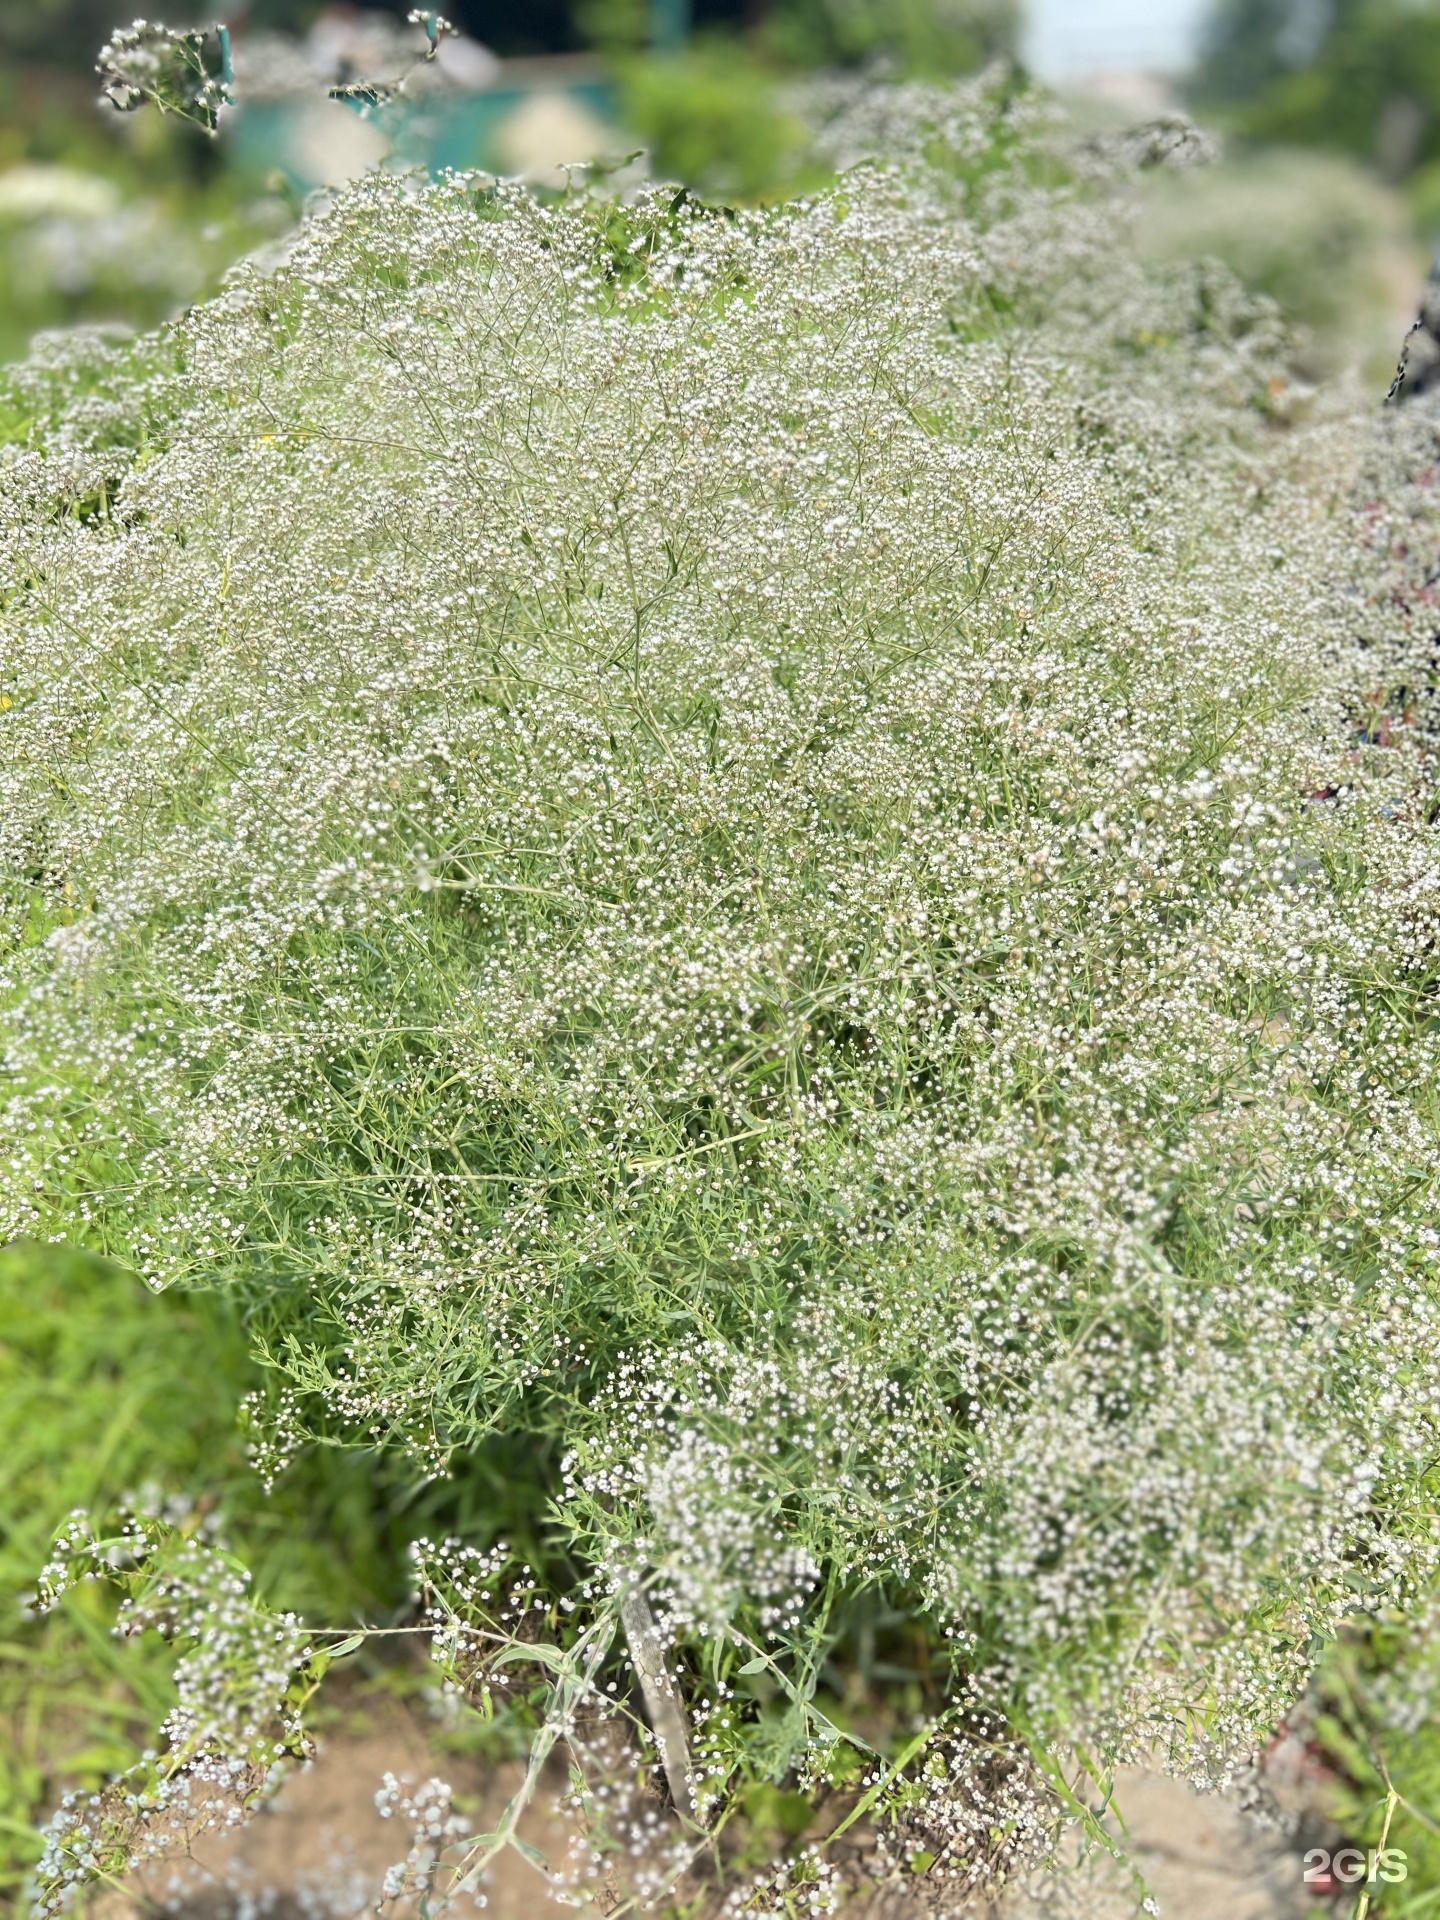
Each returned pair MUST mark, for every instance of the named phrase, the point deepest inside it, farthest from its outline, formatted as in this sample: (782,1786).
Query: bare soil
(320,1850)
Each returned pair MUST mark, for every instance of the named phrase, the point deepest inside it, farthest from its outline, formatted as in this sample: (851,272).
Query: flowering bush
(790,854)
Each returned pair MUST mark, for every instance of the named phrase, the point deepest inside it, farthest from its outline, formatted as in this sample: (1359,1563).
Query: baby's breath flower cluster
(435,1825)
(178,72)
(235,1720)
(792,853)
(794,1889)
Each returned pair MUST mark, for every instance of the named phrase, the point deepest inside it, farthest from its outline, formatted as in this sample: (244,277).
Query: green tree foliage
(917,36)
(1362,76)
(1250,44)
(713,114)
(715,118)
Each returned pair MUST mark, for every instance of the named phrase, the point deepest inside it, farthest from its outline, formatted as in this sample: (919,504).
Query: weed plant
(784,864)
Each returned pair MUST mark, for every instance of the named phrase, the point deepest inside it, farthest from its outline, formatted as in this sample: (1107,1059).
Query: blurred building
(466,108)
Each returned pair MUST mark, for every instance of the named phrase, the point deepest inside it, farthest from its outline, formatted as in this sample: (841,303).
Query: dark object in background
(1419,368)
(937,36)
(69,33)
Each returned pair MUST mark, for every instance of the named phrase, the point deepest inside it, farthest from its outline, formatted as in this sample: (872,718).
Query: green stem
(1391,1800)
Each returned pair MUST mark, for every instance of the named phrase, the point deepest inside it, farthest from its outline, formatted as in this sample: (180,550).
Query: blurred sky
(1066,39)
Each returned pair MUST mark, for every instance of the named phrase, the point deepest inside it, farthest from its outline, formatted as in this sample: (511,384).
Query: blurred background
(1328,198)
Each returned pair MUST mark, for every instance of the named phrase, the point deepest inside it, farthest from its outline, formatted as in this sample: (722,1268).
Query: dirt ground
(1198,1855)
(320,1851)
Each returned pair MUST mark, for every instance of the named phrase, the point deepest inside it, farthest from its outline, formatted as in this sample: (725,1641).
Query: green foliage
(1367,84)
(920,37)
(108,1390)
(103,1387)
(916,37)
(714,117)
(112,222)
(1423,194)
(1379,1726)
(614,26)
(1250,44)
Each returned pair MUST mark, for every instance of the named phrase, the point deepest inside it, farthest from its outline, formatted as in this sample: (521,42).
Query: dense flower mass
(792,851)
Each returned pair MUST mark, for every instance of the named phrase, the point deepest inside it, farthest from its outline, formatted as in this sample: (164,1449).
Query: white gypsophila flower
(793,852)
(233,1723)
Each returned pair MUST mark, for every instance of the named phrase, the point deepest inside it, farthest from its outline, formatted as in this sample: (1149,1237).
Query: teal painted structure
(450,130)
(669,25)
